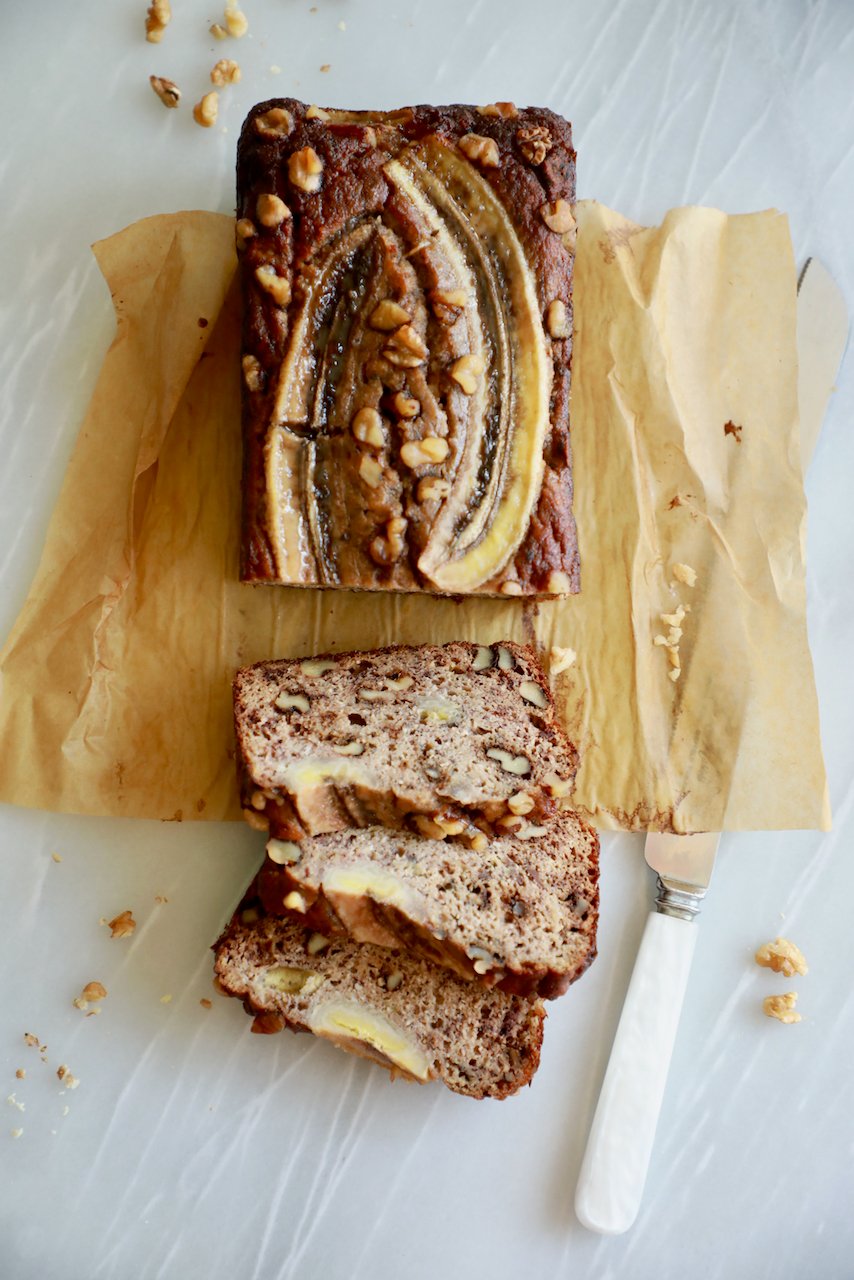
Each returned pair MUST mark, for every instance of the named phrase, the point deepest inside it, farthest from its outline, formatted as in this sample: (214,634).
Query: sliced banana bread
(423,737)
(520,915)
(402,1012)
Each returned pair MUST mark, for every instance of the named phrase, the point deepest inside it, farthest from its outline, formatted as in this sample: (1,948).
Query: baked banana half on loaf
(395,1009)
(407,334)
(458,740)
(521,915)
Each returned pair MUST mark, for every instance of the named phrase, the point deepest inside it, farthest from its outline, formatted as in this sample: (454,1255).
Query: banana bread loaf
(407,281)
(449,740)
(400,1011)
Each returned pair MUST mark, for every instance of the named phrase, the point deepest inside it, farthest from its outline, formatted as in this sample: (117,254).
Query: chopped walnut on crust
(123,925)
(782,956)
(782,1007)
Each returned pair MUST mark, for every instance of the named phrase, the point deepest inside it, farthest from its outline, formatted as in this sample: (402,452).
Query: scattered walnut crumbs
(782,1007)
(66,1077)
(166,90)
(20,1074)
(91,993)
(157,20)
(205,1003)
(782,956)
(123,925)
(224,72)
(535,143)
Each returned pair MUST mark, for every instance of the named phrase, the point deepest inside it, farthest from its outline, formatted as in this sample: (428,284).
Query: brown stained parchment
(115,694)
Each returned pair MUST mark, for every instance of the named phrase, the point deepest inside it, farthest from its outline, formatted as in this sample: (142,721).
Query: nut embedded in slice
(271,210)
(278,287)
(558,216)
(535,143)
(504,110)
(275,123)
(480,150)
(305,170)
(466,372)
(388,315)
(557,320)
(367,427)
(422,453)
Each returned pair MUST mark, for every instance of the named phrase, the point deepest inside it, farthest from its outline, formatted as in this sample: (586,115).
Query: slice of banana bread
(424,737)
(397,1010)
(521,915)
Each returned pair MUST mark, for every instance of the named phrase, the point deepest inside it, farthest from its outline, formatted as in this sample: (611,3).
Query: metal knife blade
(684,866)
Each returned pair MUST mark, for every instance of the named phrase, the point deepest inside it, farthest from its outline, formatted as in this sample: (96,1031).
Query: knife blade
(616,1160)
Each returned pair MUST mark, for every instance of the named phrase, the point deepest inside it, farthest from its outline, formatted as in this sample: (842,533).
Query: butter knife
(616,1160)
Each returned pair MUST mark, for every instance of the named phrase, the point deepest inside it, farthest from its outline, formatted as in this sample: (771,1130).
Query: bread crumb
(218,31)
(275,71)
(560,659)
(57,857)
(205,1003)
(20,1074)
(167,999)
(684,573)
(327,66)
(782,1007)
(66,1109)
(160,899)
(13,1102)
(782,956)
(65,1075)
(92,992)
(16,1133)
(123,925)
(342,25)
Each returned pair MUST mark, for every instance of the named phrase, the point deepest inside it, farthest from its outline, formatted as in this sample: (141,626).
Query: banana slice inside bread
(397,1010)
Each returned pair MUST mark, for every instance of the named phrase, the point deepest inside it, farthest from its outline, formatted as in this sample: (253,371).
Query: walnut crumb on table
(157,20)
(66,1077)
(166,90)
(224,72)
(123,925)
(91,993)
(782,956)
(205,111)
(782,1007)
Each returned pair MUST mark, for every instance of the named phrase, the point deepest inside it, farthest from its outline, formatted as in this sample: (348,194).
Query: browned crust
(355,184)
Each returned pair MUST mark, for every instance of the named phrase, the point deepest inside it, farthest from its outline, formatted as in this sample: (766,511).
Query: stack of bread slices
(426,884)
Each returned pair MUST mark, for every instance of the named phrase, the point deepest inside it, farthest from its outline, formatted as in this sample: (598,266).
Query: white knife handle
(613,1172)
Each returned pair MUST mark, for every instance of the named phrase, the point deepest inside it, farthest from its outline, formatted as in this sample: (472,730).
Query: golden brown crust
(352,149)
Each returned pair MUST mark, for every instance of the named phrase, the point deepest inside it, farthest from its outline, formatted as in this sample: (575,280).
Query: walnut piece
(447,304)
(275,123)
(370,471)
(253,375)
(295,902)
(283,852)
(405,348)
(405,406)
(684,573)
(782,1007)
(123,925)
(557,321)
(316,666)
(91,994)
(316,113)
(520,765)
(520,803)
(535,143)
(244,229)
(558,583)
(218,31)
(511,588)
(432,489)
(466,373)
(421,453)
(480,150)
(367,427)
(267,1024)
(236,23)
(305,170)
(157,20)
(558,216)
(532,693)
(560,659)
(166,90)
(292,702)
(278,287)
(782,956)
(224,72)
(205,111)
(504,110)
(388,315)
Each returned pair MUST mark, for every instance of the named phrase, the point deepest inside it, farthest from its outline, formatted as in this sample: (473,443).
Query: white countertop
(192,1149)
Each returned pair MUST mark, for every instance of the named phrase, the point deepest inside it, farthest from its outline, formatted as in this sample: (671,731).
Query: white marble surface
(192,1149)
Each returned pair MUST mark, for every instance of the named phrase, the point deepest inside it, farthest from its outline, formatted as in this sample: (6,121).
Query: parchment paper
(115,695)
